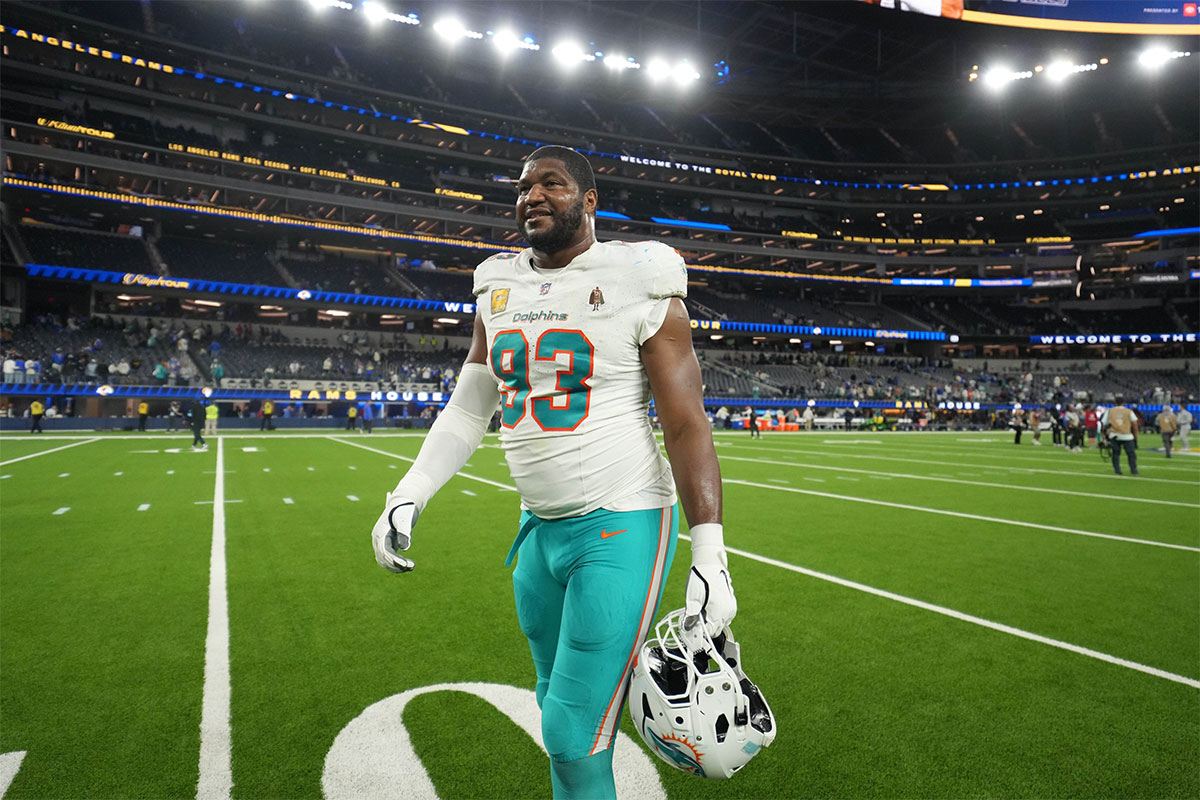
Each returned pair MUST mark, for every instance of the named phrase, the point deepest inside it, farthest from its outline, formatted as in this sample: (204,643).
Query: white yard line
(963,515)
(986,623)
(48,452)
(410,460)
(216,770)
(1107,475)
(939,478)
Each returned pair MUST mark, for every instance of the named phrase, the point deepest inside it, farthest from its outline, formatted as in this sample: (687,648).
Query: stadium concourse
(923,254)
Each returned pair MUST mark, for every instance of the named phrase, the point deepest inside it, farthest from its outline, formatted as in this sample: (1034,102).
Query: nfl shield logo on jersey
(545,288)
(499,300)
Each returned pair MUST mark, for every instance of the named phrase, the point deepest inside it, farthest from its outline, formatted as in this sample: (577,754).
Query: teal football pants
(587,591)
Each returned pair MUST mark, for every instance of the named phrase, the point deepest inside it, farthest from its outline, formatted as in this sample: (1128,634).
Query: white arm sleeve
(455,434)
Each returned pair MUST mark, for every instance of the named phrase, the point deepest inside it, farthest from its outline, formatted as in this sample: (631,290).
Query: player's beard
(561,233)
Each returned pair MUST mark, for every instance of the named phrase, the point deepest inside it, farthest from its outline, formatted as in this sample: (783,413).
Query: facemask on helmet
(694,706)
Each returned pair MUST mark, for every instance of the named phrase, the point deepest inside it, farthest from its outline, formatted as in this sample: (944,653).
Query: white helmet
(695,708)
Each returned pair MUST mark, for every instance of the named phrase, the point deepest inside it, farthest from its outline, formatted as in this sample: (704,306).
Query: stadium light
(658,70)
(374,12)
(685,74)
(449,29)
(615,61)
(506,41)
(570,54)
(1058,71)
(1154,57)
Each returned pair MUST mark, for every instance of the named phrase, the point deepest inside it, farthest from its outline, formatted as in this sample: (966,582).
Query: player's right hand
(393,533)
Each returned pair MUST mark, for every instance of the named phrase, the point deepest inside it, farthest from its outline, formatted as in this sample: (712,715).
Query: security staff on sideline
(36,410)
(1168,426)
(1120,425)
(211,412)
(143,412)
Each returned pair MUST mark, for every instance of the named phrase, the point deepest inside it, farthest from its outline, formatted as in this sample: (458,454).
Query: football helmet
(695,708)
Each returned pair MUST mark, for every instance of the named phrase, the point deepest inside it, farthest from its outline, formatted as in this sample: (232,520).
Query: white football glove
(710,598)
(393,533)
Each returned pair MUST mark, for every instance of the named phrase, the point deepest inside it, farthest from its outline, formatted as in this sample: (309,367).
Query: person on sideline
(195,419)
(351,417)
(1168,426)
(143,409)
(752,422)
(368,417)
(1119,424)
(37,410)
(211,413)
(1184,420)
(268,414)
(599,518)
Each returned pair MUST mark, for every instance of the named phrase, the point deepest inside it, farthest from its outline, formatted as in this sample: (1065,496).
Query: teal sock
(589,778)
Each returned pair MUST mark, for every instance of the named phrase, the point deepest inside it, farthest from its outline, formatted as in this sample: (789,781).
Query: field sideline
(929,615)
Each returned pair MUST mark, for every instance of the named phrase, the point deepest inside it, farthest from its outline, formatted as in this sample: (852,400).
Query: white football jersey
(564,346)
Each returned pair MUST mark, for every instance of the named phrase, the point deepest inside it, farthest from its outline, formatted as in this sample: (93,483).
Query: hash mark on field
(266,469)
(777,480)
(249,449)
(144,507)
(468,492)
(118,474)
(352,498)
(289,501)
(64,475)
(312,469)
(170,472)
(2,477)
(353,467)
(844,478)
(391,466)
(62,511)
(815,480)
(210,502)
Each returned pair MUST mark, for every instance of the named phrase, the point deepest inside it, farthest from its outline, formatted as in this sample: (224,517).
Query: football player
(572,338)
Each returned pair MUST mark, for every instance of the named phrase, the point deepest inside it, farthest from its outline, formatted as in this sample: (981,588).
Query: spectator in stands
(10,370)
(92,371)
(1120,426)
(56,362)
(36,411)
(1184,420)
(33,370)
(160,371)
(1167,425)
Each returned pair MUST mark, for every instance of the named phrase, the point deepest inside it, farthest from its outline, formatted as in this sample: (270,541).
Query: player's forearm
(454,436)
(697,472)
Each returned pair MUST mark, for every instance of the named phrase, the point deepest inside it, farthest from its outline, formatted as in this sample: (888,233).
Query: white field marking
(48,452)
(3,477)
(209,502)
(312,469)
(214,472)
(986,623)
(10,765)
(144,507)
(962,515)
(353,467)
(170,472)
(391,466)
(216,771)
(64,474)
(249,449)
(118,474)
(815,480)
(1051,456)
(851,441)
(352,498)
(266,469)
(778,480)
(946,479)
(62,511)
(504,486)
(145,451)
(501,463)
(1022,470)
(844,478)
(289,501)
(468,493)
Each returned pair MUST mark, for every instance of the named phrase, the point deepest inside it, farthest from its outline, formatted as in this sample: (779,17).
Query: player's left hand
(710,600)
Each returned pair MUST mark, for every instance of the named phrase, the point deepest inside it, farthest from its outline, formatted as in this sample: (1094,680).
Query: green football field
(929,615)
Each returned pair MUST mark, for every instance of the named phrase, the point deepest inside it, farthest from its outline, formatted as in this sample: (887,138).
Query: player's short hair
(578,167)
